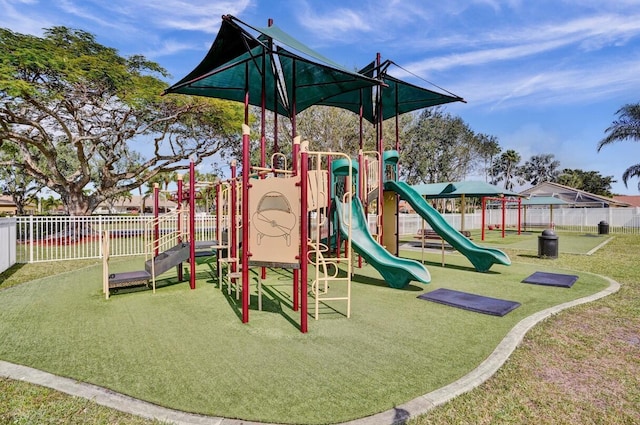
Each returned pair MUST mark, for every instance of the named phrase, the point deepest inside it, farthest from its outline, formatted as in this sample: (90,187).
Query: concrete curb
(397,415)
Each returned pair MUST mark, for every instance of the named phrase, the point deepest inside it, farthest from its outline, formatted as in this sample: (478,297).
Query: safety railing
(52,238)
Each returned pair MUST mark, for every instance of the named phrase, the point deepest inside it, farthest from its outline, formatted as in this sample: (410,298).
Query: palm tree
(489,148)
(505,168)
(541,168)
(626,127)
(50,204)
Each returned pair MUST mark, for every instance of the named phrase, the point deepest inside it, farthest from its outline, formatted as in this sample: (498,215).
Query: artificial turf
(187,349)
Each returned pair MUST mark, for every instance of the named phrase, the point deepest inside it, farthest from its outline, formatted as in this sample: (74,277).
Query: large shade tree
(438,147)
(589,181)
(90,124)
(626,127)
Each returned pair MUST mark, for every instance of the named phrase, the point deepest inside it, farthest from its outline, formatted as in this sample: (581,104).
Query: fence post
(100,237)
(610,211)
(31,239)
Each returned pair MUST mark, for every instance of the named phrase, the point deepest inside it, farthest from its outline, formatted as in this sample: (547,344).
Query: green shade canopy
(457,189)
(397,97)
(239,63)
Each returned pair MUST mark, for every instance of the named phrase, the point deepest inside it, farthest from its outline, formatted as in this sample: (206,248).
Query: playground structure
(269,210)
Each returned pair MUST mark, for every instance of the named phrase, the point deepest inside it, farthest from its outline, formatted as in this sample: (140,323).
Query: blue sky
(544,76)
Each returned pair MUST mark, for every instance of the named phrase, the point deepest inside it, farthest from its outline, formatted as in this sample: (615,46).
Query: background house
(573,197)
(7,206)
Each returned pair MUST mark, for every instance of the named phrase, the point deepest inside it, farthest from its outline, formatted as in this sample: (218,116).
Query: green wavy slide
(481,258)
(397,272)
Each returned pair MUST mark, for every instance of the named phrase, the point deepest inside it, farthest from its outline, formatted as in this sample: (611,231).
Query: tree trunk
(78,204)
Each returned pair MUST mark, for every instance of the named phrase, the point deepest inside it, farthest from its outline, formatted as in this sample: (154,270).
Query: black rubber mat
(551,279)
(472,302)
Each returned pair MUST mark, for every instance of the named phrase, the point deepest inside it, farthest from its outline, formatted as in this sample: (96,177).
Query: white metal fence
(587,220)
(50,238)
(7,243)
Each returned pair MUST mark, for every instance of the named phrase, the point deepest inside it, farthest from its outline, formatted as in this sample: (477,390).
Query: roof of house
(544,200)
(573,196)
(633,200)
(6,201)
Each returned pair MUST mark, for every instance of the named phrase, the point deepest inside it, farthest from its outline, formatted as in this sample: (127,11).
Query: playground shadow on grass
(273,301)
(439,265)
(528,256)
(368,280)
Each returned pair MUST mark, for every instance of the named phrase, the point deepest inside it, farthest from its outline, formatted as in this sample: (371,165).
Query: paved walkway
(396,415)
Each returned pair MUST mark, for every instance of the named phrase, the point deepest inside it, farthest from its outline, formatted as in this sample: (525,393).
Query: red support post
(156,226)
(192,223)
(246,164)
(380,119)
(484,204)
(296,272)
(304,248)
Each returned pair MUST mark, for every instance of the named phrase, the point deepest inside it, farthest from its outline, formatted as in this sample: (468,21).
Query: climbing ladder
(325,266)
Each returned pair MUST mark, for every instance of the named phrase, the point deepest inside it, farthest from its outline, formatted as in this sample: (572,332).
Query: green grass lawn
(568,242)
(188,349)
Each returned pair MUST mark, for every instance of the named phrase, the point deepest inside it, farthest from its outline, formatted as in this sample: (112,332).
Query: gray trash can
(548,244)
(603,228)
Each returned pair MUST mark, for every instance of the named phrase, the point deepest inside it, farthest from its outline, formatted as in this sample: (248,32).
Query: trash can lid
(603,222)
(549,232)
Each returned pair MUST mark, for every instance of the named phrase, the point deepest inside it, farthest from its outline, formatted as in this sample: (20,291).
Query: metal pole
(304,248)
(245,222)
(504,212)
(179,223)
(519,214)
(296,272)
(156,226)
(218,229)
(192,224)
(484,203)
(380,159)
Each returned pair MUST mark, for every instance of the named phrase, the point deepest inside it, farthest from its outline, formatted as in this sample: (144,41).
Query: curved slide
(397,272)
(481,258)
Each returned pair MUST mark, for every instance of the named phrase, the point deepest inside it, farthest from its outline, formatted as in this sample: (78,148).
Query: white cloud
(11,11)
(170,47)
(196,15)
(504,89)
(335,23)
(589,34)
(85,13)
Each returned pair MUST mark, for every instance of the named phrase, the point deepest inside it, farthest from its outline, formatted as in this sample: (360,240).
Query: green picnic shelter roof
(458,189)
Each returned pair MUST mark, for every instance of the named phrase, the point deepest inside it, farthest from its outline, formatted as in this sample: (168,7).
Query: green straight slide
(481,258)
(397,272)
